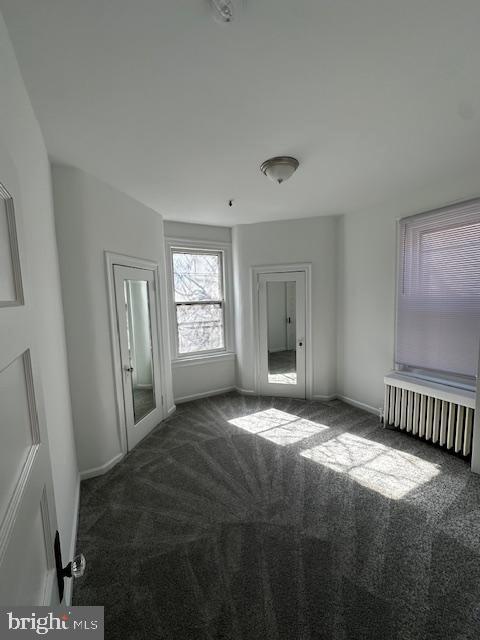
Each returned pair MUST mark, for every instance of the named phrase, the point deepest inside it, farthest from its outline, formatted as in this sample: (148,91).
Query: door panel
(21,440)
(28,560)
(27,507)
(36,557)
(36,583)
(139,350)
(10,273)
(282,334)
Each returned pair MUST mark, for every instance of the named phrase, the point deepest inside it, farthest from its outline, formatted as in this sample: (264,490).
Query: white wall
(196,379)
(353,258)
(366,305)
(186,231)
(22,141)
(92,217)
(305,240)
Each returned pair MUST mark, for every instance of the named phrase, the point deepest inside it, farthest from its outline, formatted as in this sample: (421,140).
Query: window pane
(197,277)
(200,327)
(438,305)
(450,262)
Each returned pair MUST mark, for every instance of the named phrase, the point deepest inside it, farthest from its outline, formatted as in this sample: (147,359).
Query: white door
(27,508)
(139,350)
(281,305)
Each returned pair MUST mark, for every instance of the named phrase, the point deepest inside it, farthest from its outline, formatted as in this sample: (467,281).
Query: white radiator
(434,412)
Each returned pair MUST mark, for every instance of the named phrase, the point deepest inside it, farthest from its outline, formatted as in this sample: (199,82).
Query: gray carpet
(310,523)
(143,403)
(282,367)
(282,361)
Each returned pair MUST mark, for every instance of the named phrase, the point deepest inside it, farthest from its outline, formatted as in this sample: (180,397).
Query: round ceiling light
(223,10)
(280,168)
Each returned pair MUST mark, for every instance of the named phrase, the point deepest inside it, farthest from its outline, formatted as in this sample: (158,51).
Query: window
(438,294)
(198,293)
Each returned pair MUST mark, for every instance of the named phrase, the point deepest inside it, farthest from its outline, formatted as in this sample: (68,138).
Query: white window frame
(423,373)
(202,246)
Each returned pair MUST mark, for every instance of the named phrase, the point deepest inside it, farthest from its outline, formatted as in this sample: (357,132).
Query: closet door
(139,350)
(281,319)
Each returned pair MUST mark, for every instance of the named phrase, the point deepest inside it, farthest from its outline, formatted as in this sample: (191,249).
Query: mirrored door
(282,334)
(136,320)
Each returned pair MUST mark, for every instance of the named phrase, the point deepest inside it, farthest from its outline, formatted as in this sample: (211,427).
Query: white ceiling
(375,97)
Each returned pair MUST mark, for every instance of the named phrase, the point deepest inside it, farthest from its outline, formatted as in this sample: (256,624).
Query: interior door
(27,508)
(139,350)
(281,306)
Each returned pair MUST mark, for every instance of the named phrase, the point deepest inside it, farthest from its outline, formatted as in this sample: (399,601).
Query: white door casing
(27,508)
(268,384)
(136,314)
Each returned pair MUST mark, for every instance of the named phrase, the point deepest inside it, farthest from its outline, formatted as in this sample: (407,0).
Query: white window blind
(438,293)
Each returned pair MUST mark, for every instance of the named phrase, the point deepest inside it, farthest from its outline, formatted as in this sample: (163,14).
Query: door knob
(127,368)
(74,569)
(77,566)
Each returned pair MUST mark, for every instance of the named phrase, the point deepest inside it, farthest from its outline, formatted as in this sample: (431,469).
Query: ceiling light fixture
(280,168)
(223,10)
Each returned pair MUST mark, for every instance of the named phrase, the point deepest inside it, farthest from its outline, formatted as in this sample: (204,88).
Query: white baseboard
(347,400)
(251,392)
(359,405)
(99,471)
(322,398)
(171,410)
(73,542)
(245,392)
(327,398)
(205,394)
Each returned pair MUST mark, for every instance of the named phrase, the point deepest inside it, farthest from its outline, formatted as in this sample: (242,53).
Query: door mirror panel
(139,338)
(281,357)
(281,332)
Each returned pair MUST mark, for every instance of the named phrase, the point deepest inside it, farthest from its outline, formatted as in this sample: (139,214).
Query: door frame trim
(112,259)
(255,272)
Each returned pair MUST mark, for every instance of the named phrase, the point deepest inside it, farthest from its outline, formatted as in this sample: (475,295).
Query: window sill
(434,389)
(205,359)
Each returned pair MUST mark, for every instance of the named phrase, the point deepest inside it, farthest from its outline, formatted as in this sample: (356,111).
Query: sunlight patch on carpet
(388,471)
(278,426)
